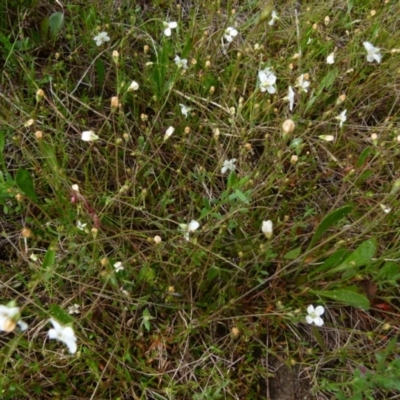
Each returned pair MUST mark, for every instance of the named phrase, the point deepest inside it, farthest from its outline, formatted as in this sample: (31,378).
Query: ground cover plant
(199,199)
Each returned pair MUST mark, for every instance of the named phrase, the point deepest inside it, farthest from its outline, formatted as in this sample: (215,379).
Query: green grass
(208,317)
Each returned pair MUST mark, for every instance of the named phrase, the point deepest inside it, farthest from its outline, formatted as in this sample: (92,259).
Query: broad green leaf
(24,181)
(330,220)
(328,80)
(292,254)
(333,261)
(49,258)
(359,257)
(60,315)
(363,157)
(56,22)
(390,271)
(347,296)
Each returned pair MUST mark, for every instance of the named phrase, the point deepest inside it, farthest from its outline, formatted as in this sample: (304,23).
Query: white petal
(330,59)
(318,321)
(309,319)
(310,309)
(271,89)
(368,46)
(22,325)
(193,225)
(56,325)
(53,334)
(172,25)
(319,310)
(72,347)
(167,32)
(224,169)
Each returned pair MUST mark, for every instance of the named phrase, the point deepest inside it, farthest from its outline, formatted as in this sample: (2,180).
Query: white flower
(75,188)
(230,33)
(341,118)
(373,53)
(187,228)
(64,334)
(267,80)
(133,86)
(181,62)
(74,309)
(229,165)
(168,26)
(314,315)
(118,266)
(89,136)
(101,38)
(10,318)
(157,239)
(385,209)
(274,18)
(267,228)
(169,132)
(302,83)
(80,225)
(184,110)
(290,98)
(327,138)
(330,59)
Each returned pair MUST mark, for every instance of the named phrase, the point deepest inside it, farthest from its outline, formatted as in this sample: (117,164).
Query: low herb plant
(195,192)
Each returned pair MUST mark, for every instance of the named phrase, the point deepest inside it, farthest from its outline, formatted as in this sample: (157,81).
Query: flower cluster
(10,318)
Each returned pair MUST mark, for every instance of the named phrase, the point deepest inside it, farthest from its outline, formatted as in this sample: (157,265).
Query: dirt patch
(288,383)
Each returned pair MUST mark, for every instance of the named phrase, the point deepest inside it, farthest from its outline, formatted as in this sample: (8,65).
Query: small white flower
(75,188)
(133,86)
(267,80)
(229,165)
(330,59)
(64,334)
(274,18)
(80,225)
(89,136)
(230,34)
(125,292)
(267,228)
(181,62)
(314,315)
(118,266)
(101,38)
(290,98)
(157,239)
(187,228)
(302,83)
(10,318)
(327,138)
(373,53)
(341,118)
(169,132)
(74,309)
(185,110)
(385,209)
(168,27)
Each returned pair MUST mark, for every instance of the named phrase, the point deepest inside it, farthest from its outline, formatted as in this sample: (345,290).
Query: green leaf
(56,22)
(49,258)
(241,196)
(25,184)
(361,256)
(292,254)
(330,220)
(390,271)
(363,157)
(60,315)
(44,28)
(347,296)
